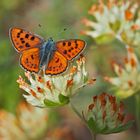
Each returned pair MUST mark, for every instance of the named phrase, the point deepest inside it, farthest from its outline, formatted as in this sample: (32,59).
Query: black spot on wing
(27,45)
(27,35)
(57,60)
(18,35)
(69,43)
(32,56)
(32,38)
(22,41)
(21,31)
(65,51)
(20,47)
(64,43)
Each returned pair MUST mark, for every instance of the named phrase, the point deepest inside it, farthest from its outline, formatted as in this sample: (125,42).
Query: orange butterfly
(37,53)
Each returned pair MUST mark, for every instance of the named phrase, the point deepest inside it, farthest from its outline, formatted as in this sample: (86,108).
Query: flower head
(130,34)
(128,77)
(29,117)
(9,127)
(22,125)
(106,115)
(113,20)
(47,91)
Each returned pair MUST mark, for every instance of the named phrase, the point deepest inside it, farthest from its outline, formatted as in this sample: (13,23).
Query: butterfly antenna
(40,26)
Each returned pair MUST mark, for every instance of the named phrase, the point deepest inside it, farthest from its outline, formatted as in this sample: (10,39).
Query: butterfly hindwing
(29,60)
(23,40)
(70,48)
(57,64)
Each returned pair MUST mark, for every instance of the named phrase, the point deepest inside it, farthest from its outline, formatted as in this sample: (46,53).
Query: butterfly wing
(57,64)
(29,60)
(70,48)
(23,40)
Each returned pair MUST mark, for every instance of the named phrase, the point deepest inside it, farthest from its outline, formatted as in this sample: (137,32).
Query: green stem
(94,136)
(137,101)
(75,110)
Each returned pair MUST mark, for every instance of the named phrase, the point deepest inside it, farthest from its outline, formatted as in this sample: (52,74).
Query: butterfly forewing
(29,60)
(57,64)
(23,40)
(70,48)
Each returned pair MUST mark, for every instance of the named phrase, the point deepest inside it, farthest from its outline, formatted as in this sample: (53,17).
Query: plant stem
(137,100)
(94,136)
(75,110)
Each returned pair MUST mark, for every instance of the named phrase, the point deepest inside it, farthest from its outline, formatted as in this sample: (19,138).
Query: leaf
(120,128)
(115,26)
(49,103)
(104,38)
(63,99)
(85,79)
(93,126)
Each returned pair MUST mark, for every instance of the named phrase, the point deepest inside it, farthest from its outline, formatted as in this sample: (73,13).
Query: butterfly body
(36,53)
(46,53)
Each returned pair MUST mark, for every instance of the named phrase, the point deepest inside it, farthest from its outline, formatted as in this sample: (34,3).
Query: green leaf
(93,126)
(120,128)
(85,79)
(49,103)
(91,123)
(124,36)
(104,38)
(115,26)
(63,99)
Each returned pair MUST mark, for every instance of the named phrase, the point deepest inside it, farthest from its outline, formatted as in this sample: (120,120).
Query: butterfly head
(50,39)
(50,43)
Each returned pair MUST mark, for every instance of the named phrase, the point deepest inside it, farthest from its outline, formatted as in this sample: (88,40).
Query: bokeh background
(48,18)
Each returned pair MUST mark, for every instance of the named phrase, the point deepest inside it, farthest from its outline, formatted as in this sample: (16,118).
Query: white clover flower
(128,77)
(46,91)
(131,33)
(105,115)
(30,117)
(113,19)
(22,125)
(9,129)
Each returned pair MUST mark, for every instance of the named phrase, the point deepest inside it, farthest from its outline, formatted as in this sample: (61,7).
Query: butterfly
(36,52)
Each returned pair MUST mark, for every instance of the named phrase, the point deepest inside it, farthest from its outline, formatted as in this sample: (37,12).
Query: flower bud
(105,115)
